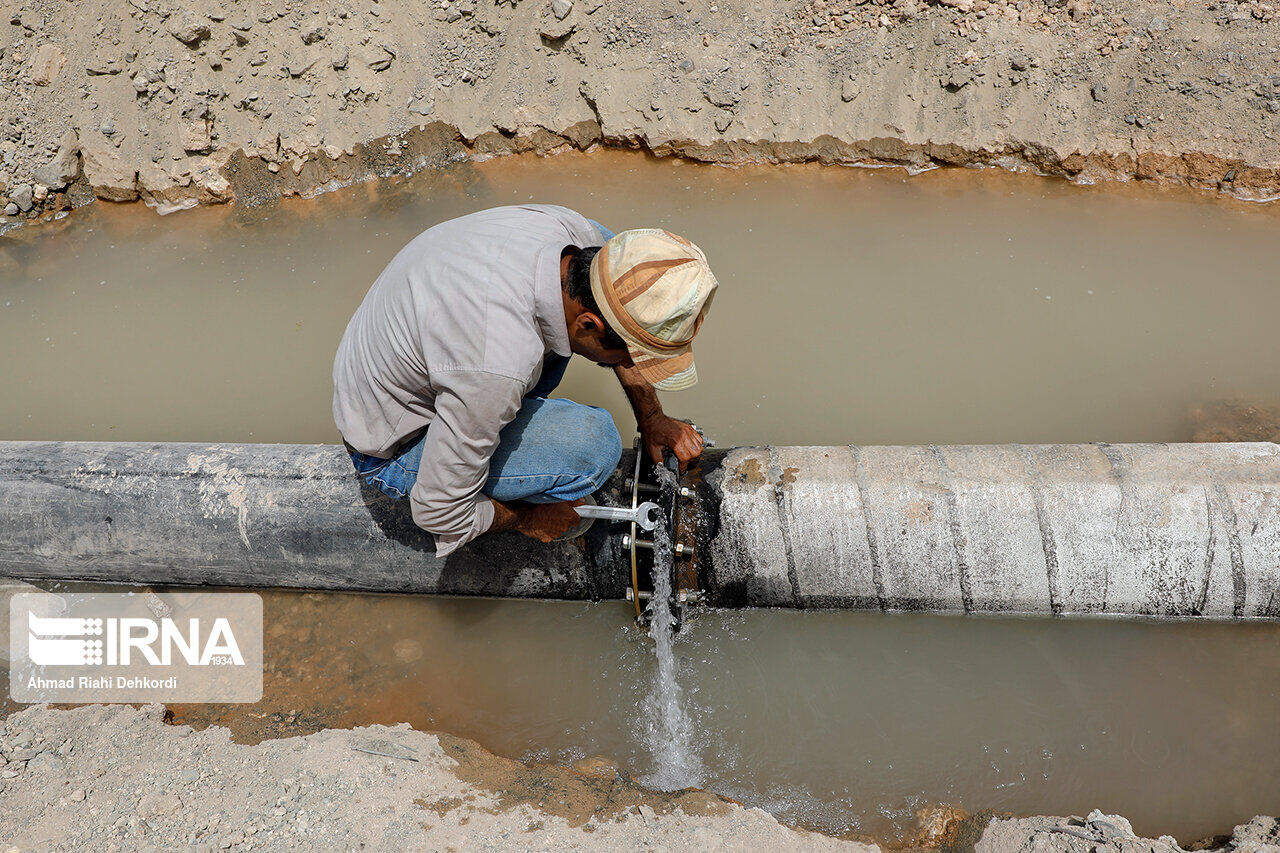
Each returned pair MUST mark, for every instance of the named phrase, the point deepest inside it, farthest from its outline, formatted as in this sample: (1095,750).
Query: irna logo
(90,641)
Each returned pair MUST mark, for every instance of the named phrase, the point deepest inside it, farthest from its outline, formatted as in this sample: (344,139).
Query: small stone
(723,121)
(21,196)
(452,14)
(957,79)
(340,57)
(848,90)
(11,209)
(298,67)
(39,192)
(422,106)
(157,804)
(47,64)
(555,31)
(1110,826)
(1157,25)
(686,65)
(65,166)
(189,30)
(381,58)
(561,8)
(936,824)
(197,127)
(314,35)
(111,179)
(101,68)
(77,796)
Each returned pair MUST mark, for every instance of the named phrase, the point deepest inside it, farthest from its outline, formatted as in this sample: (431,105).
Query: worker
(443,377)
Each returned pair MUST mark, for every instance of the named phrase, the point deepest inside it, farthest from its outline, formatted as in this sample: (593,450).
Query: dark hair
(578,288)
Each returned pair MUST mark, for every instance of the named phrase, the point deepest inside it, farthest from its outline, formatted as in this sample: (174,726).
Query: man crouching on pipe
(442,378)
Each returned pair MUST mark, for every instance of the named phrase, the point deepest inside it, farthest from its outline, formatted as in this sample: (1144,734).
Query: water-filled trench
(857,307)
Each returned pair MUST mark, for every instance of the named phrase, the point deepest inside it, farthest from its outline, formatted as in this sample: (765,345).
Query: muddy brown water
(841,722)
(858,306)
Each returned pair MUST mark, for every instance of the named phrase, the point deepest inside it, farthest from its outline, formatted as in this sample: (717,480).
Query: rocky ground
(119,778)
(178,102)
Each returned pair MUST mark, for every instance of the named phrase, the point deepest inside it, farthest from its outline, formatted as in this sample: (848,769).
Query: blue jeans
(605,231)
(553,450)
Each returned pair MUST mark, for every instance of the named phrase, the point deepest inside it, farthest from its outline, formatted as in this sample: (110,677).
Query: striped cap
(654,288)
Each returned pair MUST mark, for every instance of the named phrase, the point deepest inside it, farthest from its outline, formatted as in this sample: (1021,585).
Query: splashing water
(668,728)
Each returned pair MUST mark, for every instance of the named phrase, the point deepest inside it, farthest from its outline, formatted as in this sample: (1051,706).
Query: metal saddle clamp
(636,484)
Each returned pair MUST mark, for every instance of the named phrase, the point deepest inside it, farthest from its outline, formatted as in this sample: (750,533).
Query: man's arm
(472,407)
(658,431)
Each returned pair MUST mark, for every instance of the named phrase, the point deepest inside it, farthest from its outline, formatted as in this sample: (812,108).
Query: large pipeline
(1162,530)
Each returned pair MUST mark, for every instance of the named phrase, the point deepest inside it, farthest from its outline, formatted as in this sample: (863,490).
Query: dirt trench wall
(180,103)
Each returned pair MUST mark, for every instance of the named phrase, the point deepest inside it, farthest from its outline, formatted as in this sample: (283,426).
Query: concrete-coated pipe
(253,515)
(1188,529)
(1137,529)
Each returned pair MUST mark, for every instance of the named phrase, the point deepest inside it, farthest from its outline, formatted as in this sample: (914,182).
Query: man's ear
(589,321)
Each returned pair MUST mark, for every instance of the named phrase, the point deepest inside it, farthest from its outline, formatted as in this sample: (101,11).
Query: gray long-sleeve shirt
(452,335)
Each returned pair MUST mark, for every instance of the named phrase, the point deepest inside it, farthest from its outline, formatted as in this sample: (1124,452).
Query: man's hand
(660,432)
(546,522)
(543,522)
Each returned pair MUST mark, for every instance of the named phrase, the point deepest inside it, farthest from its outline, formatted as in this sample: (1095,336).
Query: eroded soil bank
(178,102)
(119,778)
